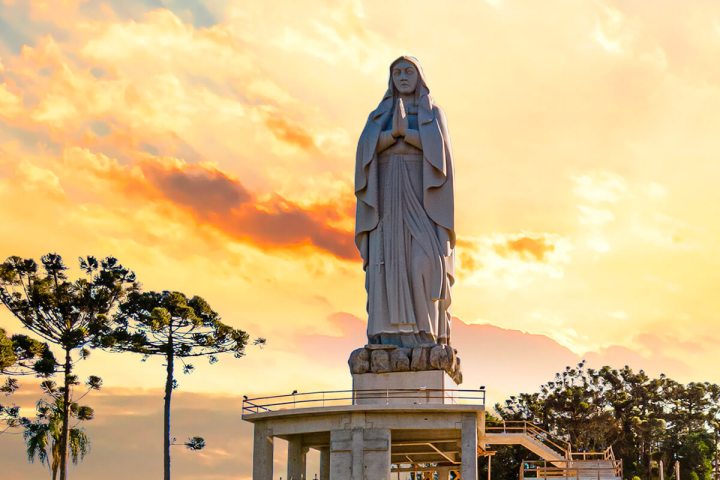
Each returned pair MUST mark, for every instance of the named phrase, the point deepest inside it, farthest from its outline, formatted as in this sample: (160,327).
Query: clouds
(286,131)
(208,195)
(527,247)
(243,124)
(204,190)
(211,148)
(225,204)
(512,260)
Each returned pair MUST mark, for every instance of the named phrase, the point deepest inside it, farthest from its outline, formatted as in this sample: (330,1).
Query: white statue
(405,213)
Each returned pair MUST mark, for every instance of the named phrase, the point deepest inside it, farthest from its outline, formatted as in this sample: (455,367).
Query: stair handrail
(534,431)
(546,437)
(545,469)
(610,454)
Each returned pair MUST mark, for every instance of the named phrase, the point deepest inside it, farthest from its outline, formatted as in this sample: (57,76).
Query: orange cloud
(204,190)
(526,247)
(289,132)
(223,202)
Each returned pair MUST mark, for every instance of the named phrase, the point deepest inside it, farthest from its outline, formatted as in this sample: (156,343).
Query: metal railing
(600,469)
(533,431)
(334,398)
(605,455)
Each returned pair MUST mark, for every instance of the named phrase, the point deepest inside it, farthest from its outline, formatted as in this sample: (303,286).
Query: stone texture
(380,361)
(400,360)
(359,361)
(452,357)
(457,373)
(390,358)
(374,346)
(438,358)
(420,360)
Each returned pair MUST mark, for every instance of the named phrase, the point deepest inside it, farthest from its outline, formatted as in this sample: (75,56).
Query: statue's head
(406,76)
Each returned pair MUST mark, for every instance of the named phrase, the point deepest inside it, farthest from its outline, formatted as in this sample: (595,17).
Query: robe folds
(405,228)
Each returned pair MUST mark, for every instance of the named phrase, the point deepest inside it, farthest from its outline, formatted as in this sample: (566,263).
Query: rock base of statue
(384,359)
(429,387)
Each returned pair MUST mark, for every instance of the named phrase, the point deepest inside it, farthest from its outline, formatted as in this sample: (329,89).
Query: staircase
(559,461)
(530,436)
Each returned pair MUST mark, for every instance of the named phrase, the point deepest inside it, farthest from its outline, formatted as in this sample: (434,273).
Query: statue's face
(405,77)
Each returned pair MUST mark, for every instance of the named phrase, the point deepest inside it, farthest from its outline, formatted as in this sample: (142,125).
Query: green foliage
(43,435)
(168,323)
(644,419)
(195,443)
(173,326)
(7,352)
(20,355)
(70,314)
(695,454)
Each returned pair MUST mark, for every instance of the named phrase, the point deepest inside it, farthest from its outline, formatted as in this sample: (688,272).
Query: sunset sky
(209,145)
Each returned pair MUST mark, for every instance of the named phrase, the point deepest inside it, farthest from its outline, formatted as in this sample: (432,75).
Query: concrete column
(469,465)
(297,456)
(360,454)
(443,473)
(340,454)
(376,455)
(262,453)
(324,464)
(357,453)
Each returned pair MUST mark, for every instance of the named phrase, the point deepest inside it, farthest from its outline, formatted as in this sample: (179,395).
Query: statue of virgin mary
(405,213)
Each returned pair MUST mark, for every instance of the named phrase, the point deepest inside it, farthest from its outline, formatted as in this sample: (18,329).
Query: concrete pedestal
(364,442)
(388,388)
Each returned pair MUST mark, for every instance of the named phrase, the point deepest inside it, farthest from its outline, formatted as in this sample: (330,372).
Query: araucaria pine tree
(170,325)
(71,315)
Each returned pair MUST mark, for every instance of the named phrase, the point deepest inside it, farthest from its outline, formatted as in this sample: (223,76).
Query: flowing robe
(405,228)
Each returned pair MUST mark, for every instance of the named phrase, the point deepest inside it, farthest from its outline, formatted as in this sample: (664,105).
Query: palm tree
(43,437)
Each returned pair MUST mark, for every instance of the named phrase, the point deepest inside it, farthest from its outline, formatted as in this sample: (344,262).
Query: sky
(209,145)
